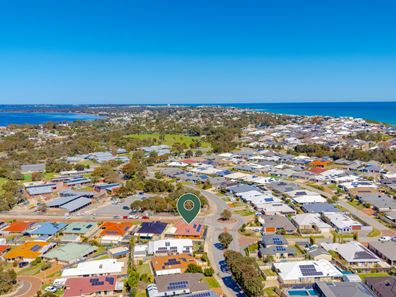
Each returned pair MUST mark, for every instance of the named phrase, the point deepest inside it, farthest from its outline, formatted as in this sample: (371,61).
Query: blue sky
(197,51)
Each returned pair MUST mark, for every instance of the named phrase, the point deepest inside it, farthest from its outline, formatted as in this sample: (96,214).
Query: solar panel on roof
(199,227)
(35,248)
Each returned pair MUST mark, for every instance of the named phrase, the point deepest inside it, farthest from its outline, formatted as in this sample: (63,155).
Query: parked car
(51,289)
(23,264)
(394,238)
(125,207)
(385,238)
(145,217)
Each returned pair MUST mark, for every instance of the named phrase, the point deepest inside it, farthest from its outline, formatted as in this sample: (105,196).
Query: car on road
(133,216)
(125,207)
(385,238)
(51,289)
(394,238)
(116,217)
(145,217)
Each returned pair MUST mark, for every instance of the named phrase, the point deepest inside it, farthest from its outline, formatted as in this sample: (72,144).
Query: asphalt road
(214,248)
(30,286)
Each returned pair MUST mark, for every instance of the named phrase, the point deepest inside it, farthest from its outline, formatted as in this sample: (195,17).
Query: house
(114,232)
(379,201)
(28,251)
(319,207)
(96,268)
(277,208)
(30,168)
(275,246)
(16,227)
(119,252)
(181,229)
(355,254)
(382,286)
(71,252)
(319,253)
(85,229)
(301,272)
(45,229)
(170,246)
(178,284)
(385,250)
(331,289)
(310,223)
(284,187)
(171,264)
(151,229)
(93,286)
(276,223)
(304,196)
(320,163)
(343,223)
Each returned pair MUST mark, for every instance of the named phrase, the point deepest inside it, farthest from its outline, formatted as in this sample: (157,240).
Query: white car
(51,289)
(385,238)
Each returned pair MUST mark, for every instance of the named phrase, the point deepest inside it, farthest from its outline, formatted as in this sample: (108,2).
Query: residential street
(213,247)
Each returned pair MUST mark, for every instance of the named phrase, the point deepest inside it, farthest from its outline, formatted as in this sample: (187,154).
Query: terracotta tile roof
(18,226)
(172,262)
(4,248)
(317,170)
(113,228)
(80,286)
(193,229)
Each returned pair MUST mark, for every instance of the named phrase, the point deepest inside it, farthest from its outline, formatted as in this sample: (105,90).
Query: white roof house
(311,221)
(304,196)
(98,267)
(277,208)
(306,271)
(342,222)
(170,246)
(236,175)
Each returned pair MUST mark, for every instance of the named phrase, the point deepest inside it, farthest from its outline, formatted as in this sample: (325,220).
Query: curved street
(213,247)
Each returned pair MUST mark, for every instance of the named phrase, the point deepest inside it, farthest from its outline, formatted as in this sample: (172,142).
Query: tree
(225,239)
(189,154)
(7,279)
(133,168)
(208,271)
(194,268)
(225,215)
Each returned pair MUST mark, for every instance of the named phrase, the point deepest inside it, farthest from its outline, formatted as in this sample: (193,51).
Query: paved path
(30,286)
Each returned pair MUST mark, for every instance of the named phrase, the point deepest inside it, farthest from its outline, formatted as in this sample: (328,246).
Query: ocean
(10,117)
(377,111)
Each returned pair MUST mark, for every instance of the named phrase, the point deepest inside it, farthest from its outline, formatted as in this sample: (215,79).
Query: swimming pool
(302,292)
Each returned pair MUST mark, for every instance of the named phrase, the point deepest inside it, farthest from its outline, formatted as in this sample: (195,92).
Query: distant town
(291,205)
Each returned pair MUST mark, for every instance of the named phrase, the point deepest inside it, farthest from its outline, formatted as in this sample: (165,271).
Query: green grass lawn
(245,212)
(270,292)
(356,204)
(170,139)
(211,281)
(377,274)
(27,177)
(144,268)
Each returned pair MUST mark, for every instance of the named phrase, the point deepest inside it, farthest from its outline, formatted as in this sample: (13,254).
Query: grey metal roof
(343,289)
(77,204)
(318,207)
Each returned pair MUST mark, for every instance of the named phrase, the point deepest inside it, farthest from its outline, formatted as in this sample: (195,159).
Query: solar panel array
(96,282)
(35,248)
(310,270)
(172,261)
(277,241)
(280,249)
(177,285)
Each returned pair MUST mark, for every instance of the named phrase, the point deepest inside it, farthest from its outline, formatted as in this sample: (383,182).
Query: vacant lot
(170,139)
